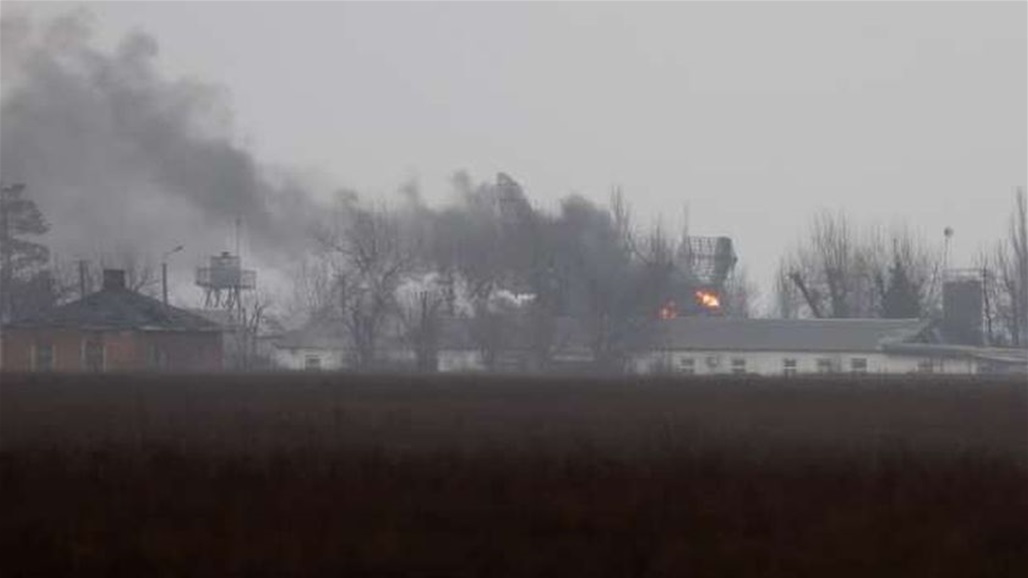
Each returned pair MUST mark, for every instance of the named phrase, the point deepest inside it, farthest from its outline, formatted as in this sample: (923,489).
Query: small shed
(113,330)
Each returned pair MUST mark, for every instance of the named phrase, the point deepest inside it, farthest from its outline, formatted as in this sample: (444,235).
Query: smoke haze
(118,155)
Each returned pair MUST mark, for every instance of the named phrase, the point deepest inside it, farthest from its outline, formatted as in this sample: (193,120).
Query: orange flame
(708,299)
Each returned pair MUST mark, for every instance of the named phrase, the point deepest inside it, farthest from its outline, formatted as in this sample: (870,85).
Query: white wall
(332,359)
(759,362)
(463,360)
(295,359)
(772,362)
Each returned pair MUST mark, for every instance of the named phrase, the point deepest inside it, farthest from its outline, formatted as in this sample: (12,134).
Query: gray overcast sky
(755,114)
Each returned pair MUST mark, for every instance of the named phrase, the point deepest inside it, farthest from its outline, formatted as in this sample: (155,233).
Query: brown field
(344,475)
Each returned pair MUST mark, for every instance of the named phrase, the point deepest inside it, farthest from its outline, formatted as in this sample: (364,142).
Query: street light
(164,271)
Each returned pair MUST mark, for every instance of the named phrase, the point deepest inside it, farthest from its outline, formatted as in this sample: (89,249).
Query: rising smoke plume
(117,154)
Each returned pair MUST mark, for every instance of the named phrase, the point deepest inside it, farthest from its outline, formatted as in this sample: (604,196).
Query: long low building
(718,345)
(690,346)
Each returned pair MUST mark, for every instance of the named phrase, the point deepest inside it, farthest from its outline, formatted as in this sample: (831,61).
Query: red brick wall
(184,351)
(17,346)
(123,350)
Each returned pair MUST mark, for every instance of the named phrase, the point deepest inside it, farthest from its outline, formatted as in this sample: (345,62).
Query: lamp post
(164,272)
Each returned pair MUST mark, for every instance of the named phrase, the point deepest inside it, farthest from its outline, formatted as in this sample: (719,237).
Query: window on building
(825,365)
(858,365)
(312,363)
(43,357)
(738,365)
(788,366)
(925,366)
(687,365)
(93,354)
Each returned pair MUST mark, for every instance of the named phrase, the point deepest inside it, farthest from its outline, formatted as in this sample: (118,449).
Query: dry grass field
(273,475)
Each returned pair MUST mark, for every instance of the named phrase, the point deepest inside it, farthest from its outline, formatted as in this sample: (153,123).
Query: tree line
(382,272)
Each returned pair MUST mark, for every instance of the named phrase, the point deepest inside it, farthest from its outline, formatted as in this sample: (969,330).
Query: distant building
(461,348)
(691,345)
(324,344)
(113,330)
(318,346)
(953,344)
(721,345)
(711,345)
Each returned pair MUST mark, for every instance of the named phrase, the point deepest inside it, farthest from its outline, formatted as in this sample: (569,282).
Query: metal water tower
(224,280)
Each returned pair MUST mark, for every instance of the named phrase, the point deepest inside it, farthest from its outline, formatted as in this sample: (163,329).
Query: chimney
(114,279)
(962,301)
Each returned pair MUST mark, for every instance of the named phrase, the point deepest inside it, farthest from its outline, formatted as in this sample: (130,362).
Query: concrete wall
(182,351)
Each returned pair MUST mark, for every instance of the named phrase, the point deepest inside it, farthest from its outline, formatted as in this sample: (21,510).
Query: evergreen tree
(901,299)
(22,262)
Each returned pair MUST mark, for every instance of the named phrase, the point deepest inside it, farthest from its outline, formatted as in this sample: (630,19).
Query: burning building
(703,264)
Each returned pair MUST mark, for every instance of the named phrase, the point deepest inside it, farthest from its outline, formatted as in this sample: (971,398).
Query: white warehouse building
(718,345)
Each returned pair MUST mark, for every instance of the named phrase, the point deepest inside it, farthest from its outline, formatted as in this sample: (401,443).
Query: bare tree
(832,259)
(1009,272)
(81,276)
(247,330)
(421,302)
(595,257)
(371,258)
(313,288)
(739,294)
(837,272)
(788,298)
(142,273)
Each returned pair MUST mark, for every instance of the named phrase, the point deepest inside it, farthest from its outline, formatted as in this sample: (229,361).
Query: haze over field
(753,114)
(514,289)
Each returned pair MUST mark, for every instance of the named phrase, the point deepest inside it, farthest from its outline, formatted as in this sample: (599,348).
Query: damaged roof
(117,309)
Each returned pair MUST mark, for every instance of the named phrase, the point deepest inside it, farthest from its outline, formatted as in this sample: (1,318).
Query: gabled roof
(455,334)
(117,309)
(994,354)
(459,333)
(737,334)
(319,333)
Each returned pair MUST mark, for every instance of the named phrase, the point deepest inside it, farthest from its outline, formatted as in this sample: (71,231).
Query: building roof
(684,333)
(319,333)
(459,333)
(455,334)
(118,309)
(994,354)
(738,334)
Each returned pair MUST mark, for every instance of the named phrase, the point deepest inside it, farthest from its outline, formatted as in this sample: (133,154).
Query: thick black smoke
(117,154)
